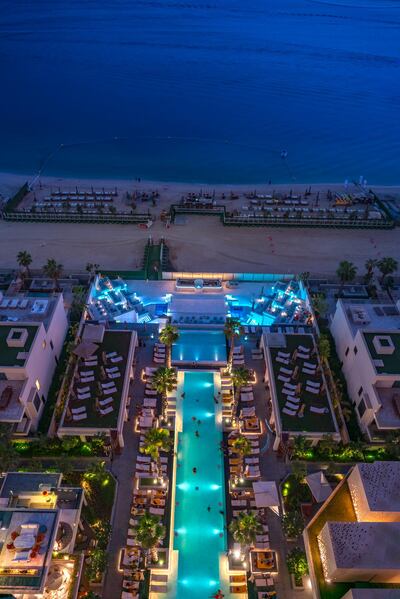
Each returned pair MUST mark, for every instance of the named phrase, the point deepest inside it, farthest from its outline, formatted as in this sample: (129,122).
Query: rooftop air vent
(383,344)
(17,337)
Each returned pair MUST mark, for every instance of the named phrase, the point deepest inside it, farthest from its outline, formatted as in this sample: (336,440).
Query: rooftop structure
(367,340)
(37,516)
(32,333)
(352,542)
(300,400)
(99,391)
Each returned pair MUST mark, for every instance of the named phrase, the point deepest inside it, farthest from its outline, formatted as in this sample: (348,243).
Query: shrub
(296,562)
(292,524)
(96,564)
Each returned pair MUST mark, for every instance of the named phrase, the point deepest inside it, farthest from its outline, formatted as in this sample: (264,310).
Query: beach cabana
(319,486)
(266,495)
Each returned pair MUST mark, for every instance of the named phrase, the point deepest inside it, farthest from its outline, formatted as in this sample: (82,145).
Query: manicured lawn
(310,422)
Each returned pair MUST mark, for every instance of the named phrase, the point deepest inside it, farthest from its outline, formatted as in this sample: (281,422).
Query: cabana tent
(319,486)
(266,495)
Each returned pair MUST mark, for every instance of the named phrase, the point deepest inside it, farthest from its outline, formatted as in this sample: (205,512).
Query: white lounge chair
(111,354)
(307,371)
(303,349)
(290,386)
(150,402)
(312,390)
(282,360)
(288,392)
(113,369)
(282,354)
(319,410)
(110,390)
(158,361)
(105,402)
(284,370)
(81,410)
(115,375)
(81,390)
(310,366)
(82,416)
(107,385)
(157,511)
(291,406)
(289,412)
(106,410)
(86,373)
(117,359)
(283,379)
(88,379)
(84,395)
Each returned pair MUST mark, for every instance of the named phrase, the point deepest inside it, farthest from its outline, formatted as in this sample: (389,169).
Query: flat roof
(369,316)
(388,363)
(16,572)
(19,482)
(365,545)
(381,482)
(113,341)
(28,307)
(309,421)
(372,593)
(15,356)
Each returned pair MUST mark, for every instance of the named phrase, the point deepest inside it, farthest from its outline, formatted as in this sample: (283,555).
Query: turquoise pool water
(200,346)
(201,534)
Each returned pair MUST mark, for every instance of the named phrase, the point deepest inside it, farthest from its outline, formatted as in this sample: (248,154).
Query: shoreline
(9,183)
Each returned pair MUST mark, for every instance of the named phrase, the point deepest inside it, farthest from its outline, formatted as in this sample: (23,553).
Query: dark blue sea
(201,90)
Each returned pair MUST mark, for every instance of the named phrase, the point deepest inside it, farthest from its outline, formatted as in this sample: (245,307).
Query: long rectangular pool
(200,535)
(206,347)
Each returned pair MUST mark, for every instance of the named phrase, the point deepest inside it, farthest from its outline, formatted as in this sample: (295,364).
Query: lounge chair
(78,410)
(307,371)
(88,379)
(246,412)
(159,578)
(115,375)
(143,458)
(86,373)
(302,356)
(262,538)
(286,371)
(91,363)
(105,402)
(157,511)
(283,379)
(319,410)
(106,410)
(289,412)
(143,467)
(110,390)
(155,588)
(313,383)
(150,402)
(254,461)
(84,395)
(117,359)
(312,390)
(290,386)
(111,354)
(282,360)
(107,385)
(81,390)
(239,502)
(310,366)
(288,391)
(247,389)
(150,392)
(79,416)
(285,355)
(113,369)
(303,349)
(158,361)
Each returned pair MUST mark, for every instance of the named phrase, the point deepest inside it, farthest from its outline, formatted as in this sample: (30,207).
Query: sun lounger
(288,392)
(246,397)
(255,451)
(287,371)
(88,379)
(150,402)
(82,416)
(86,373)
(282,354)
(238,362)
(289,412)
(262,538)
(157,511)
(283,379)
(155,588)
(282,360)
(160,356)
(150,392)
(239,502)
(81,390)
(110,390)
(146,459)
(113,369)
(255,443)
(105,402)
(318,410)
(303,349)
(293,399)
(248,412)
(111,354)
(117,359)
(302,356)
(107,385)
(252,460)
(159,577)
(78,410)
(106,410)
(141,474)
(291,406)
(290,386)
(313,383)
(307,371)
(247,389)
(143,467)
(310,366)
(115,375)
(260,582)
(312,390)
(158,361)
(91,363)
(84,395)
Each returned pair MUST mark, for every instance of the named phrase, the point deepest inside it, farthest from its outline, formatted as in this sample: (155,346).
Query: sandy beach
(201,244)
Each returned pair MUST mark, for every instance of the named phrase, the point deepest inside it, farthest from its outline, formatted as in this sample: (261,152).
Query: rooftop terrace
(386,355)
(19,482)
(370,316)
(15,355)
(117,342)
(305,420)
(27,308)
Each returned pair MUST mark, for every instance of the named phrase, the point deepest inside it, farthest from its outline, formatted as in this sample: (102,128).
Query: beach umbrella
(85,350)
(319,486)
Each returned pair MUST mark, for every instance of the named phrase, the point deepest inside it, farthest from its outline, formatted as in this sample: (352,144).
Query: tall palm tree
(53,270)
(164,381)
(24,260)
(324,348)
(156,440)
(242,446)
(244,529)
(369,269)
(240,378)
(168,335)
(387,266)
(149,534)
(232,329)
(346,273)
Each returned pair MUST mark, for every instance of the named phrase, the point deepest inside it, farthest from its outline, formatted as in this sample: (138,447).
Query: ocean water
(201,90)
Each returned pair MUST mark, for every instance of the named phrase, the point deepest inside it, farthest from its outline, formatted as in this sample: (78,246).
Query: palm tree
(320,304)
(240,378)
(149,533)
(346,273)
(156,440)
(242,446)
(168,335)
(324,348)
(164,381)
(24,260)
(232,329)
(244,529)
(388,285)
(387,266)
(369,268)
(53,270)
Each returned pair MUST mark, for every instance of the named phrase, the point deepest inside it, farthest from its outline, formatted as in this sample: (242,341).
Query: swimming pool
(201,534)
(203,347)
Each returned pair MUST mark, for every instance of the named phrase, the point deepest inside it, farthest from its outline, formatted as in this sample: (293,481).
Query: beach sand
(202,244)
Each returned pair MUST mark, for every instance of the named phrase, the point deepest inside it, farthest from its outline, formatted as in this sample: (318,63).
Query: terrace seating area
(62,200)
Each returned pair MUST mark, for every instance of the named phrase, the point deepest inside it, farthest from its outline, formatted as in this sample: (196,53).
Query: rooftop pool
(204,347)
(200,537)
